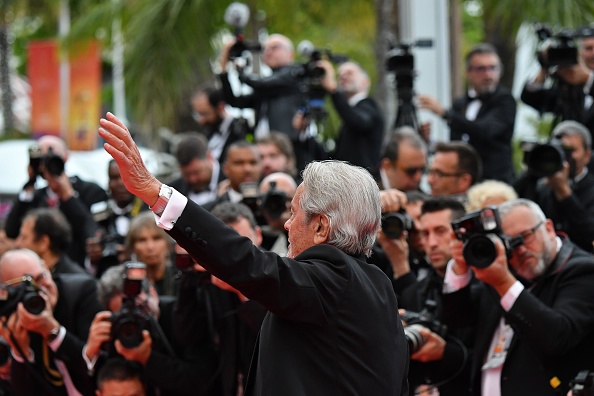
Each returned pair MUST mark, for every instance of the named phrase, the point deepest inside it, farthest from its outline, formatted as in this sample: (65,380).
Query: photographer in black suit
(51,342)
(362,130)
(333,324)
(485,117)
(534,313)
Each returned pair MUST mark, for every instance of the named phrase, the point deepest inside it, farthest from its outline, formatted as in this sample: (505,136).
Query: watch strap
(165,193)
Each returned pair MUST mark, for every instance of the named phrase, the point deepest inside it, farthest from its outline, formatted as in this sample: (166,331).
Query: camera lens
(479,251)
(128,329)
(33,303)
(414,338)
(545,160)
(394,224)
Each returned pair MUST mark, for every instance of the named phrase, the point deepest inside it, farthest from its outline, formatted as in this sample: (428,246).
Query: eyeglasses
(483,69)
(441,174)
(413,170)
(525,236)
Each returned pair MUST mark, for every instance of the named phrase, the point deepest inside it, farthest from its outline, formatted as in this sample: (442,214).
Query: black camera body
(561,50)
(26,291)
(53,163)
(401,62)
(426,318)
(311,76)
(128,323)
(546,159)
(583,384)
(476,229)
(274,202)
(395,223)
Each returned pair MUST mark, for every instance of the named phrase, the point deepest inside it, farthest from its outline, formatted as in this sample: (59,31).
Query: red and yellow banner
(84,93)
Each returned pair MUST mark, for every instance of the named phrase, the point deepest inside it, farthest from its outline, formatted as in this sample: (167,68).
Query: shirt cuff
(509,298)
(90,363)
(19,359)
(588,84)
(55,344)
(174,208)
(26,196)
(454,282)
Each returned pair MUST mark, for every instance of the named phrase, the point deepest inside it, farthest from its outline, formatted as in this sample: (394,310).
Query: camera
(401,62)
(26,291)
(480,226)
(311,76)
(53,163)
(128,323)
(274,202)
(415,321)
(561,49)
(395,223)
(583,384)
(545,159)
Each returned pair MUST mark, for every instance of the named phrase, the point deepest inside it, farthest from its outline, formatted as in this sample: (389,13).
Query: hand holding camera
(139,353)
(99,333)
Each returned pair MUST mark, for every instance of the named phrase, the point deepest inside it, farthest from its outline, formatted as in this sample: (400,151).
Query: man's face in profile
(301,234)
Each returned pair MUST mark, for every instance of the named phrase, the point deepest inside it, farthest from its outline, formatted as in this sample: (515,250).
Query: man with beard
(222,129)
(534,315)
(361,134)
(485,116)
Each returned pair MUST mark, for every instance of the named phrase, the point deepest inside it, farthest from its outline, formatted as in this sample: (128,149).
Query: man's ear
(322,229)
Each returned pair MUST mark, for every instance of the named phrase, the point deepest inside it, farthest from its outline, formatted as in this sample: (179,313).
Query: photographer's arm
(282,82)
(241,102)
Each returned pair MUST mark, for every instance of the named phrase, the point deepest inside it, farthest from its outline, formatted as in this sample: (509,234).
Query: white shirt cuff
(26,195)
(509,298)
(176,205)
(90,363)
(454,282)
(588,84)
(55,344)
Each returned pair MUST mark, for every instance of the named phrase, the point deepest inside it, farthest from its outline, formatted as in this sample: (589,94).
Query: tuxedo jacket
(490,133)
(564,100)
(333,326)
(277,97)
(77,305)
(77,210)
(553,323)
(362,131)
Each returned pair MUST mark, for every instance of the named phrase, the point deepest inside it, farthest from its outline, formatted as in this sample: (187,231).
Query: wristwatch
(53,334)
(165,193)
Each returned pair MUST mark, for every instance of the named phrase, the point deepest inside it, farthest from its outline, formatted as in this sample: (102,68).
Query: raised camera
(129,322)
(26,291)
(395,223)
(51,162)
(274,202)
(545,159)
(476,229)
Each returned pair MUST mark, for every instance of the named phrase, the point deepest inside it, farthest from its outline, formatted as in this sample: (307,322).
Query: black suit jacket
(333,326)
(75,310)
(573,215)
(77,210)
(553,323)
(361,134)
(564,100)
(276,97)
(490,133)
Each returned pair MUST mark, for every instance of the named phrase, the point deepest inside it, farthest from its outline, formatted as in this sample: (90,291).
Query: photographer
(106,248)
(170,369)
(534,314)
(441,360)
(567,195)
(46,346)
(234,321)
(485,116)
(570,96)
(360,136)
(73,196)
(47,232)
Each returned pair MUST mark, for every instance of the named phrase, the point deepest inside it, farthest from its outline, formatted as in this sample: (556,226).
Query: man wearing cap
(567,196)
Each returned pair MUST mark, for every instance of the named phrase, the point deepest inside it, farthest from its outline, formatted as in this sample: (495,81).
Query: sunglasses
(413,170)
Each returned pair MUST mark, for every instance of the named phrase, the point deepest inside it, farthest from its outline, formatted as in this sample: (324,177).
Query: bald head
(284,182)
(57,145)
(278,51)
(17,262)
(352,79)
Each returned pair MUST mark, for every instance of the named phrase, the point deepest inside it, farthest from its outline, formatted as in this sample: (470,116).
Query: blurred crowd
(492,268)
